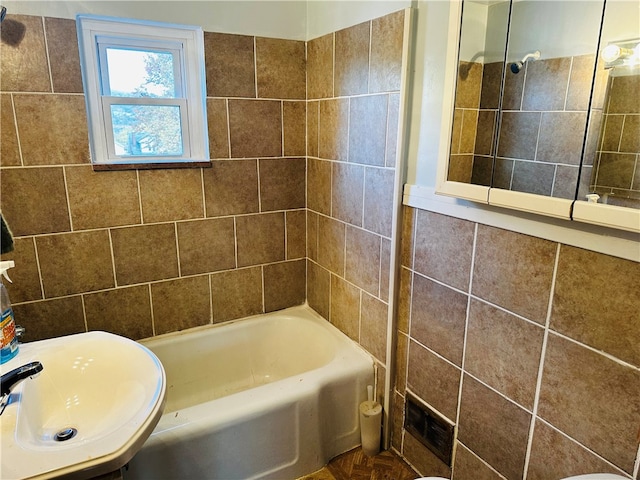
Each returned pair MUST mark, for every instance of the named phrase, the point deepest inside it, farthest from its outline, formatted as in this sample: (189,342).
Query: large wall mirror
(547,104)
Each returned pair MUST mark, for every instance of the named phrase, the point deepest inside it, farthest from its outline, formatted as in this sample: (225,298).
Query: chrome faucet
(10,379)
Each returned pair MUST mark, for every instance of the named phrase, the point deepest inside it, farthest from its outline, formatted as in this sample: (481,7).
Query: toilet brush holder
(370,424)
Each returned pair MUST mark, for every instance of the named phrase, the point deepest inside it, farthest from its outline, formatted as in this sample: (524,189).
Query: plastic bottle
(8,340)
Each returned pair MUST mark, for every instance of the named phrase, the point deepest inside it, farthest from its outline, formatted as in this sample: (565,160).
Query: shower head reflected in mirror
(517,66)
(3,12)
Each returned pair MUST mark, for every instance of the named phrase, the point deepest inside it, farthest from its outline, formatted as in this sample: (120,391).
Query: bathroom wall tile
(331,244)
(503,351)
(282,183)
(495,429)
(438,316)
(596,302)
(334,122)
(218,125)
(296,231)
(378,200)
(281,68)
(347,192)
(615,169)
(367,129)
(313,119)
(460,168)
(236,294)
(513,90)
(184,187)
(362,254)
(284,285)
(206,245)
(423,459)
(180,304)
(113,199)
(318,288)
(397,419)
(52,129)
(231,187)
(404,300)
(622,95)
(630,141)
(612,133)
(553,455)
(533,177)
(25,274)
(600,88)
(443,248)
(23,64)
(469,130)
(64,57)
(519,135)
(294,120)
(546,84)
(352,60)
(75,262)
(434,380)
(50,318)
(456,130)
(467,465)
(385,269)
(393,120)
(582,69)
(387,36)
(144,253)
(514,271)
(319,186)
(246,118)
(39,191)
(123,311)
(373,327)
(260,238)
(407,236)
(469,84)
(482,171)
(561,137)
(401,352)
(320,67)
(9,149)
(593,137)
(230,65)
(345,307)
(490,88)
(566,180)
(483,144)
(604,414)
(312,235)
(503,171)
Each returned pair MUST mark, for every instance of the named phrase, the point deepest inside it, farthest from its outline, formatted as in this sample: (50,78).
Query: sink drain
(66,434)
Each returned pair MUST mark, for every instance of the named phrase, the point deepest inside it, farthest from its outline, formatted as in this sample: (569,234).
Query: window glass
(140,73)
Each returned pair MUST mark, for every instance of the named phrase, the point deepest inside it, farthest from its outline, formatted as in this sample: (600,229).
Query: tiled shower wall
(530,347)
(146,252)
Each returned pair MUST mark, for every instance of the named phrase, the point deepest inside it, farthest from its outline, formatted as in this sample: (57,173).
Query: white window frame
(186,44)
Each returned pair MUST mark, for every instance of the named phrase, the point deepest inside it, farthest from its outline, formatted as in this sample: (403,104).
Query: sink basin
(87,413)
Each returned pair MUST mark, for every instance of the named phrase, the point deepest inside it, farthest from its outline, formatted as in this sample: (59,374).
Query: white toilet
(590,476)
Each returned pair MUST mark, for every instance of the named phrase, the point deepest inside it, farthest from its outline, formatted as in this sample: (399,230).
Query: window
(144,85)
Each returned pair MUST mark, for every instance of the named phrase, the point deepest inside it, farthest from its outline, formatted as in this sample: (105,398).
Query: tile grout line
(40,276)
(153,320)
(46,48)
(15,124)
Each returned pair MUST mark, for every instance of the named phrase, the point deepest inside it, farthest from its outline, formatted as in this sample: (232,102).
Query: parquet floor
(355,465)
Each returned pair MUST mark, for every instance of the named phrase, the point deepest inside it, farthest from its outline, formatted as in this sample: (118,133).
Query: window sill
(104,167)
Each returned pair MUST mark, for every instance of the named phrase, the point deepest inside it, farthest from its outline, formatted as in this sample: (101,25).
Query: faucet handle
(20,331)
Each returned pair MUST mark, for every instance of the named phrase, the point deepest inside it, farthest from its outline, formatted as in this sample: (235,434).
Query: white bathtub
(269,397)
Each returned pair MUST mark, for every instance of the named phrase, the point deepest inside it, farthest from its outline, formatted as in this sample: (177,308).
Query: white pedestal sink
(104,391)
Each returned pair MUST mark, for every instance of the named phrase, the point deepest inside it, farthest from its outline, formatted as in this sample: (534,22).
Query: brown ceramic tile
(456,130)
(294,122)
(373,327)
(443,248)
(64,58)
(561,137)
(503,351)
(468,131)
(469,85)
(407,236)
(423,459)
(75,262)
(616,169)
(438,316)
(402,352)
(623,96)
(347,191)
(393,120)
(260,238)
(50,318)
(546,84)
(255,128)
(236,294)
(363,259)
(52,129)
(514,271)
(593,137)
(331,244)
(630,141)
(460,168)
(533,177)
(490,88)
(319,186)
(604,414)
(596,302)
(345,307)
(397,421)
(281,68)
(312,235)
(612,132)
(180,304)
(378,200)
(482,171)
(434,380)
(565,182)
(495,429)
(296,223)
(39,191)
(144,253)
(387,35)
(231,187)
(320,67)
(25,275)
(217,123)
(519,135)
(385,269)
(582,70)
(513,89)
(318,286)
(352,60)
(483,144)
(468,466)
(554,455)
(282,183)
(102,199)
(230,65)
(333,128)
(367,129)
(284,285)
(123,311)
(9,149)
(313,118)
(182,186)
(404,300)
(206,245)
(23,64)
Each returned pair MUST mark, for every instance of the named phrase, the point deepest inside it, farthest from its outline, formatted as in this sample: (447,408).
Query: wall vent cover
(429,428)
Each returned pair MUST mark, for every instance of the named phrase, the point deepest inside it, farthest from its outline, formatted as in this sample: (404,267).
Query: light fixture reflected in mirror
(621,53)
